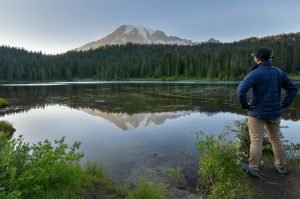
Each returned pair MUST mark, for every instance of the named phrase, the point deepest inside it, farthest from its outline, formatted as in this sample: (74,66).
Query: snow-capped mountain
(136,34)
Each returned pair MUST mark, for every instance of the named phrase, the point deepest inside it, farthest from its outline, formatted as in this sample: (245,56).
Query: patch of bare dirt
(276,186)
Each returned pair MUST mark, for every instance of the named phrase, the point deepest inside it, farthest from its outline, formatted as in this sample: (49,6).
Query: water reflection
(133,98)
(126,121)
(134,129)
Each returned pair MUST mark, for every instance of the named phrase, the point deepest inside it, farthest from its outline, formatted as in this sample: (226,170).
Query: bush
(6,129)
(222,175)
(43,170)
(3,103)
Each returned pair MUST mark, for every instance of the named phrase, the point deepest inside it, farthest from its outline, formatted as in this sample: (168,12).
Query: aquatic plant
(176,173)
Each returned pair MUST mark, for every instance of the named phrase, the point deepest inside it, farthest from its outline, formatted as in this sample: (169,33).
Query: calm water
(133,128)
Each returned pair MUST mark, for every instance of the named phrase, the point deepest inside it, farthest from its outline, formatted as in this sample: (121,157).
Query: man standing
(264,108)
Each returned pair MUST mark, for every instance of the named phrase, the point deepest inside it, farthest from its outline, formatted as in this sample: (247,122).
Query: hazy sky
(54,26)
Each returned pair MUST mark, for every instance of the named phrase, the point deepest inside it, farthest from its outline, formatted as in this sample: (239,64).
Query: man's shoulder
(253,73)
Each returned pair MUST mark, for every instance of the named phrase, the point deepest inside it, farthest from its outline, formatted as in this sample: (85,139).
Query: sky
(56,26)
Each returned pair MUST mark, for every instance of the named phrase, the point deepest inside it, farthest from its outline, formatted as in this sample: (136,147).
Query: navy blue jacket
(264,83)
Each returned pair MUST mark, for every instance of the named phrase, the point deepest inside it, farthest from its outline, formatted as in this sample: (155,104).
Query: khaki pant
(256,131)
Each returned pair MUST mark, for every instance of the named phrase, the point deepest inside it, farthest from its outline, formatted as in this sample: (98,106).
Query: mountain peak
(136,34)
(212,40)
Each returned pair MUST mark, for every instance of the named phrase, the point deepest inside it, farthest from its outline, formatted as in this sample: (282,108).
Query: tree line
(223,61)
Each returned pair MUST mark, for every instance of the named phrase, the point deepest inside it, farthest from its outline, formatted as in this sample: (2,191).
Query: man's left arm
(291,91)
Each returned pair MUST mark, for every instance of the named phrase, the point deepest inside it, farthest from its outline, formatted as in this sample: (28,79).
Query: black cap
(263,54)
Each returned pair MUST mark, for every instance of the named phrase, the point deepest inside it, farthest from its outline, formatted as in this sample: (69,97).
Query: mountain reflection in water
(134,129)
(133,98)
(126,121)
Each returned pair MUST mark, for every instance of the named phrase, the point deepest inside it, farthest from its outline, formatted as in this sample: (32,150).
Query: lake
(133,128)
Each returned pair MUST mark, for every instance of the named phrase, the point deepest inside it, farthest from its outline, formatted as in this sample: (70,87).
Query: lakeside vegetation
(222,61)
(220,158)
(3,103)
(52,170)
(219,166)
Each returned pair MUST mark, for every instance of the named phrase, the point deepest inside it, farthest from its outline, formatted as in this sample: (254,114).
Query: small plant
(176,173)
(240,128)
(3,103)
(292,152)
(147,189)
(95,173)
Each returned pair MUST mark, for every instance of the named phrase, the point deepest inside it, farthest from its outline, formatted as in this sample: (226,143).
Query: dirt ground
(276,186)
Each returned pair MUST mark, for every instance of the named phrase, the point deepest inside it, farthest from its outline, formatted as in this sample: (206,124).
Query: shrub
(43,170)
(3,103)
(6,129)
(222,176)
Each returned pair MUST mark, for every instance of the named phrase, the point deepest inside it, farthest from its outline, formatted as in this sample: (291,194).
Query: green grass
(147,189)
(95,174)
(3,103)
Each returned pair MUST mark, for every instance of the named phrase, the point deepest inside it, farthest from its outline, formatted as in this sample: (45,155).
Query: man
(264,108)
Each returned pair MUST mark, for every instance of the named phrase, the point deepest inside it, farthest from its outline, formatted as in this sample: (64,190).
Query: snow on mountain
(135,34)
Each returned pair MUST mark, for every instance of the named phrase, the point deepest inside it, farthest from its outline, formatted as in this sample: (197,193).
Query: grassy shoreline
(52,170)
(179,78)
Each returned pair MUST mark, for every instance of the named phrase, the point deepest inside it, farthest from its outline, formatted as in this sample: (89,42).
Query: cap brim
(253,55)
